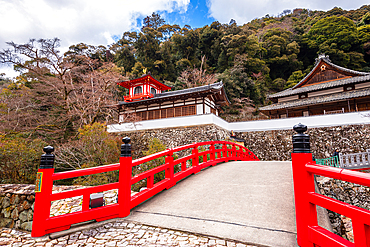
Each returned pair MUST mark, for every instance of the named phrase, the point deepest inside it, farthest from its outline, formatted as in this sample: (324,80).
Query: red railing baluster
(170,170)
(85,202)
(212,154)
(195,159)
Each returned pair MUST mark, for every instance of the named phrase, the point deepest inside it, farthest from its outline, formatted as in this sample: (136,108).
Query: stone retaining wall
(267,145)
(174,137)
(17,203)
(16,206)
(277,144)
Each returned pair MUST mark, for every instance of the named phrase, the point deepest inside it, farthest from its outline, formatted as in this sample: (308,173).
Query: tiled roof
(211,87)
(357,77)
(328,61)
(318,99)
(316,87)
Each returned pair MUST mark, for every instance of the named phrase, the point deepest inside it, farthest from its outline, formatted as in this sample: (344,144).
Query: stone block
(5,222)
(30,215)
(31,198)
(14,199)
(15,214)
(27,226)
(26,205)
(23,216)
(6,212)
(6,202)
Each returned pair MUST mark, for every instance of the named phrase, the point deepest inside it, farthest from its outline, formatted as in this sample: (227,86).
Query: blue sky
(97,22)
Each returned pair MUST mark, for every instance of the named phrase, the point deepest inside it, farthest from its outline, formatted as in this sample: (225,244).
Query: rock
(31,198)
(6,202)
(17,224)
(30,215)
(23,216)
(27,226)
(15,214)
(14,199)
(7,212)
(5,222)
(26,205)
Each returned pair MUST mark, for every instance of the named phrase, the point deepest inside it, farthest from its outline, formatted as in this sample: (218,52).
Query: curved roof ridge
(328,61)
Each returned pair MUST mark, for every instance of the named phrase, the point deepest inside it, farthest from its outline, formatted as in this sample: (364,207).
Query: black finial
(47,160)
(126,147)
(301,141)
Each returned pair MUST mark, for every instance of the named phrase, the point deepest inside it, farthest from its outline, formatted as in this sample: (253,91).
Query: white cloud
(244,11)
(92,22)
(75,21)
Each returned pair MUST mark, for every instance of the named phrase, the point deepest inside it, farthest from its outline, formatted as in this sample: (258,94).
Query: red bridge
(201,155)
(197,157)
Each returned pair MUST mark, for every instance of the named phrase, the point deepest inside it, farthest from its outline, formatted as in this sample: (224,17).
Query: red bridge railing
(200,155)
(309,233)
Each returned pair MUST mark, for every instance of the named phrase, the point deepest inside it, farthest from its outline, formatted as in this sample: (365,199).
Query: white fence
(355,161)
(352,118)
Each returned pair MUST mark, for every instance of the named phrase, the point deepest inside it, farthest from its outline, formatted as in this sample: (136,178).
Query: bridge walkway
(247,201)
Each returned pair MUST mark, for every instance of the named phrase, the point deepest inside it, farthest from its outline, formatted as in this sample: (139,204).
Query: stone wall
(174,137)
(277,144)
(267,145)
(16,206)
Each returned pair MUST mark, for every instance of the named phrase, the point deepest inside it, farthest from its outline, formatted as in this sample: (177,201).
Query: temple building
(149,99)
(327,89)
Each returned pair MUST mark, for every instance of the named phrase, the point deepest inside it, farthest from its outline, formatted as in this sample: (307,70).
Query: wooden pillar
(349,107)
(204,107)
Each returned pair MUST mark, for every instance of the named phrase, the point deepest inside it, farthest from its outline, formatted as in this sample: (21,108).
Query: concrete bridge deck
(248,201)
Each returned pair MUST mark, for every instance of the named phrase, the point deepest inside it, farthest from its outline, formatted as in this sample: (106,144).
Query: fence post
(195,160)
(303,183)
(170,170)
(224,151)
(43,191)
(234,152)
(212,155)
(125,170)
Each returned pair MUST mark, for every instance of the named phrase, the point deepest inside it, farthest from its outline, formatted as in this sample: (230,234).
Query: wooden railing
(138,96)
(197,156)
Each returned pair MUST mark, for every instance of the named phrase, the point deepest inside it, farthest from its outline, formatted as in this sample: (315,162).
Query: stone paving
(117,233)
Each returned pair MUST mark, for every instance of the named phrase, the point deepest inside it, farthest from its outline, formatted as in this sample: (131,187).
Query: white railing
(334,112)
(355,161)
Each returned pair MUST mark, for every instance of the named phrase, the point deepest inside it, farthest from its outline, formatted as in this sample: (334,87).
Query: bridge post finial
(47,160)
(126,147)
(301,141)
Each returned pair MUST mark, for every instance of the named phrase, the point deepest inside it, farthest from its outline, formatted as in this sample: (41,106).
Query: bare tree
(197,77)
(57,93)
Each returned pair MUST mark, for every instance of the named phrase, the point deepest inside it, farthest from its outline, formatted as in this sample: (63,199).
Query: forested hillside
(263,56)
(62,99)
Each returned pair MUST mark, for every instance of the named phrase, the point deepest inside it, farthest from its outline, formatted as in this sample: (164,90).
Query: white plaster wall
(262,125)
(199,109)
